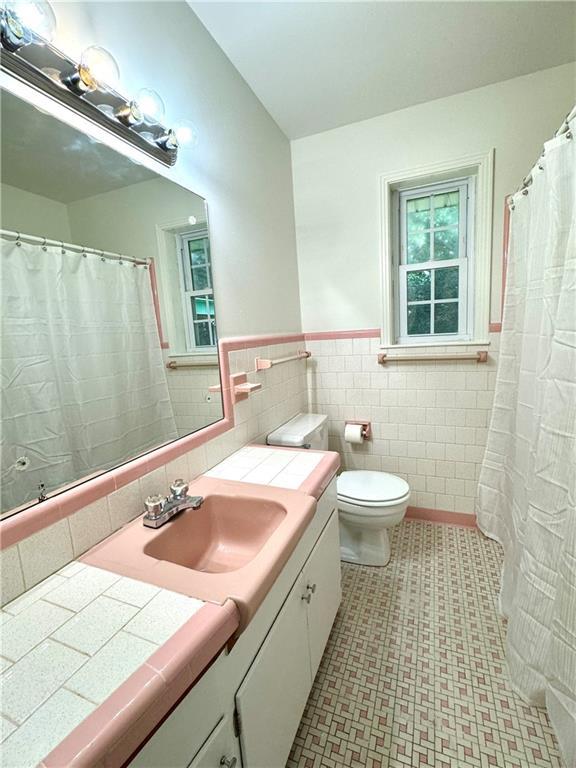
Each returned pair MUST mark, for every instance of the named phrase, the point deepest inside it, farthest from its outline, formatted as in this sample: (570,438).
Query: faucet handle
(179,489)
(154,505)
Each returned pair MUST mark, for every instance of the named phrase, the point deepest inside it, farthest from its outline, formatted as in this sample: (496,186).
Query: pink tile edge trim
(365,333)
(117,728)
(495,328)
(441,516)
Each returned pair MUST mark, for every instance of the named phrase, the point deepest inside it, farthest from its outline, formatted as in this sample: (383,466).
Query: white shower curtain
(83,381)
(527,488)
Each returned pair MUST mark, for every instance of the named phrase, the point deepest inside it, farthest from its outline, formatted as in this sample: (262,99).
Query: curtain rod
(45,241)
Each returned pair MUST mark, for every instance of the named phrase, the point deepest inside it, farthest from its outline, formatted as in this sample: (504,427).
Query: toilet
(368,502)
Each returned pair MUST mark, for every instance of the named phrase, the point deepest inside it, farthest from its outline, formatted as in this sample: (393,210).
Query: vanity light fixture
(129,114)
(22,23)
(151,106)
(97,71)
(186,134)
(87,87)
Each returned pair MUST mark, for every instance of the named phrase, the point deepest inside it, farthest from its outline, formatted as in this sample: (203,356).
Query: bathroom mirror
(108,336)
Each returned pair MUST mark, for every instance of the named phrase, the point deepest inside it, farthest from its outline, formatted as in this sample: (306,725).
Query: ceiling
(320,65)
(42,155)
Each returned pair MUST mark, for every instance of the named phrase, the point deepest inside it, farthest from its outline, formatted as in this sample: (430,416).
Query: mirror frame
(69,499)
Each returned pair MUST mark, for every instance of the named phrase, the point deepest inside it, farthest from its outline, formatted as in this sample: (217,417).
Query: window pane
(446,283)
(418,249)
(418,213)
(446,317)
(197,251)
(418,285)
(446,244)
(418,319)
(201,278)
(200,308)
(446,209)
(202,334)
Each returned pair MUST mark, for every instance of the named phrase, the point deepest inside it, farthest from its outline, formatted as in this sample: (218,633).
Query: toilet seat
(369,489)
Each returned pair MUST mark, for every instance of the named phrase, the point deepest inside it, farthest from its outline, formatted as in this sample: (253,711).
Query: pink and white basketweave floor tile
(414,672)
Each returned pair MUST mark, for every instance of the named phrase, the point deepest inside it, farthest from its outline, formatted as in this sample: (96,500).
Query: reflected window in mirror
(197,291)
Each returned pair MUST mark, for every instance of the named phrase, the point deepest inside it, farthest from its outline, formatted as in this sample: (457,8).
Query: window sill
(433,344)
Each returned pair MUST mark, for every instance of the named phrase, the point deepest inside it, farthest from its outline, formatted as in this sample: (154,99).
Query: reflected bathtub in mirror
(109,335)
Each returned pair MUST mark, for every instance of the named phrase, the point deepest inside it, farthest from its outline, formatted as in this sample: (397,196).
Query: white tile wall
(193,405)
(429,419)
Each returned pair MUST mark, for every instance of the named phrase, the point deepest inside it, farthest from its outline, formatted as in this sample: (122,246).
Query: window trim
(465,189)
(481,166)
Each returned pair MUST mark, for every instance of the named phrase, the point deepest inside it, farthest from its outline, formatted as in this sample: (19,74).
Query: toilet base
(364,547)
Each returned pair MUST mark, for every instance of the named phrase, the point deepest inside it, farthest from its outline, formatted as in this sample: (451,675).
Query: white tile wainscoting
(429,419)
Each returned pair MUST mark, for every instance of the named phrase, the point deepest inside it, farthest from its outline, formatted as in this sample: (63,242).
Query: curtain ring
(62,249)
(18,243)
(44,248)
(102,256)
(568,134)
(524,191)
(84,254)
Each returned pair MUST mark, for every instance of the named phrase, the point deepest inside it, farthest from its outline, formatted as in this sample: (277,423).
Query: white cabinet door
(273,694)
(221,749)
(322,582)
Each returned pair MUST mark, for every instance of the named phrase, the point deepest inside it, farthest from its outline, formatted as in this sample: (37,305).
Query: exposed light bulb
(23,23)
(151,105)
(186,134)
(98,69)
(38,17)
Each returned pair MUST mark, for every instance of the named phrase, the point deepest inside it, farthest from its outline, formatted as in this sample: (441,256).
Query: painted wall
(336,183)
(241,164)
(32,214)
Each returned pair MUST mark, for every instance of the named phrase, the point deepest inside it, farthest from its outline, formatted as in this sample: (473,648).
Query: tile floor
(414,672)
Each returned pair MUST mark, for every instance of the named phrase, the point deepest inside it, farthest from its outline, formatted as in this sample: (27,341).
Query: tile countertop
(86,653)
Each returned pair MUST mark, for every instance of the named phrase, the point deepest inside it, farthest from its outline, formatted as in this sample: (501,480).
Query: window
(197,291)
(433,262)
(449,206)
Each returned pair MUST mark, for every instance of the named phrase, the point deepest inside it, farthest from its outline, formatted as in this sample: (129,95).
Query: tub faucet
(159,510)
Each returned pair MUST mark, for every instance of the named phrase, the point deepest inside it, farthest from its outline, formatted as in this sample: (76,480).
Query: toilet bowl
(368,502)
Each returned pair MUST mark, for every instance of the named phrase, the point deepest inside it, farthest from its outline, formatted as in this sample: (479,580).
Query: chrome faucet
(159,510)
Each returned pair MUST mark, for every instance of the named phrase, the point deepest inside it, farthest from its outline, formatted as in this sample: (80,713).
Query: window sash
(430,266)
(402,267)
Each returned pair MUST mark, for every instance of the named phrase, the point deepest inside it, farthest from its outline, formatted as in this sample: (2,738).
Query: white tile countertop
(67,644)
(269,466)
(72,642)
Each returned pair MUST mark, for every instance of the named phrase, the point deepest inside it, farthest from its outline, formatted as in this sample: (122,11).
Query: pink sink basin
(226,533)
(233,546)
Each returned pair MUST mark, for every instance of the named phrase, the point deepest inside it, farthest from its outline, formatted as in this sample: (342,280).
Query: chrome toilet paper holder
(366,427)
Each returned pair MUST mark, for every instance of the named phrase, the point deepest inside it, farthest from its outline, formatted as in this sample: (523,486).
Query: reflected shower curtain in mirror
(527,488)
(83,381)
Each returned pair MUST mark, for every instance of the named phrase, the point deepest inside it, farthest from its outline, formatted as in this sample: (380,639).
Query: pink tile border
(363,333)
(495,328)
(64,503)
(114,731)
(441,516)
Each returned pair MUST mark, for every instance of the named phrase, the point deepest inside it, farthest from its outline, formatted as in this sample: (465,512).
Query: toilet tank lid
(371,487)
(298,431)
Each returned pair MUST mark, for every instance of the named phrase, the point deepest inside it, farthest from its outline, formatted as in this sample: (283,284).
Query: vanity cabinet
(272,697)
(248,704)
(221,749)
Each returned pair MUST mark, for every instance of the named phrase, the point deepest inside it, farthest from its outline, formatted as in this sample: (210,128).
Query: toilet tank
(307,430)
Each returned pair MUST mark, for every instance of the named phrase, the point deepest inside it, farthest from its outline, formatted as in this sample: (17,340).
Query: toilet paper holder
(366,428)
